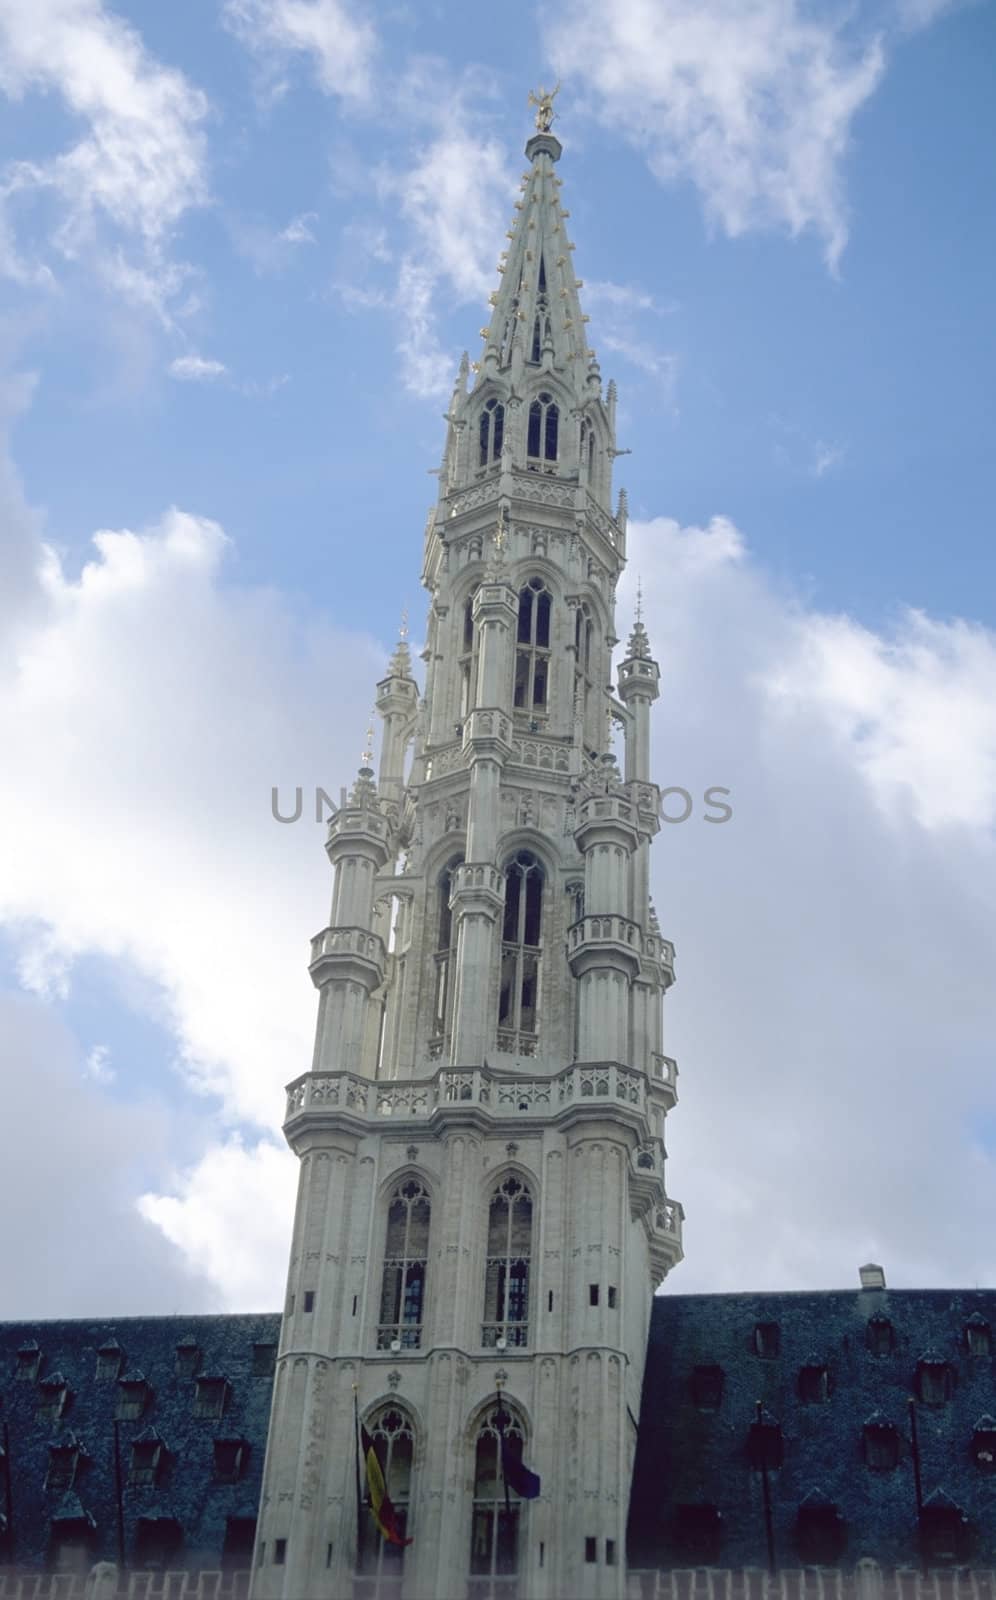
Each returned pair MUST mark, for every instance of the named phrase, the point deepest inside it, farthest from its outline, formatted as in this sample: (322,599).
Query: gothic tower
(482,1209)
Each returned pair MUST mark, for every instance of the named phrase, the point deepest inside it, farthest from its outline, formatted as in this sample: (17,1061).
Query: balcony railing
(500,1093)
(515,1335)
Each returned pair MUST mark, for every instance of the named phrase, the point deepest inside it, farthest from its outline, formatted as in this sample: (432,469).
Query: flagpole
(917,1482)
(500,1425)
(359,1492)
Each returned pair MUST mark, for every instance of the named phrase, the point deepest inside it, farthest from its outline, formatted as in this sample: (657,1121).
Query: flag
(517,1476)
(384,1513)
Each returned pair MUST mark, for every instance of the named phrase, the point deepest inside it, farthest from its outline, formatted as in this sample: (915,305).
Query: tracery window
(406,1252)
(584,633)
(518,994)
(543,430)
(497,1519)
(380,1561)
(532,651)
(468,658)
(492,432)
(506,1285)
(445,948)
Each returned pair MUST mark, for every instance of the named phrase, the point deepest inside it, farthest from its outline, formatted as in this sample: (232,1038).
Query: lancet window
(445,952)
(522,926)
(584,635)
(506,1287)
(406,1253)
(497,1521)
(532,650)
(468,658)
(492,432)
(380,1560)
(543,430)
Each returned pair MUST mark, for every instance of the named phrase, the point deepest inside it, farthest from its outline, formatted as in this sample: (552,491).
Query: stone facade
(482,1207)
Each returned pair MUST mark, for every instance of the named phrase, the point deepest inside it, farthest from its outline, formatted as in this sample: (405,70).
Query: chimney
(872,1277)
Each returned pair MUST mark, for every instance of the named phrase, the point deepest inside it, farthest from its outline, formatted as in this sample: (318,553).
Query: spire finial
(639,597)
(403,628)
(366,758)
(543,100)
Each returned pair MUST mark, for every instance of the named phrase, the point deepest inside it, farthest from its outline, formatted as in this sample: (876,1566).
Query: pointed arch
(543,432)
(508,1263)
(532,650)
(499,1514)
(490,432)
(405,1265)
(394,1434)
(521,948)
(444,954)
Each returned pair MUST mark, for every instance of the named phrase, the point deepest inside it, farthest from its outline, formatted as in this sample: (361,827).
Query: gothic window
(380,1561)
(492,432)
(541,439)
(584,632)
(468,658)
(541,284)
(532,652)
(496,1535)
(506,1287)
(406,1253)
(518,995)
(445,947)
(537,346)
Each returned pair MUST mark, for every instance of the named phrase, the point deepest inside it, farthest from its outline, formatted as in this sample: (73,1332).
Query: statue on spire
(543,99)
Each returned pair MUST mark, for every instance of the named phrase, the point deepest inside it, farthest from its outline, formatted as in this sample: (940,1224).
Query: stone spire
(537,314)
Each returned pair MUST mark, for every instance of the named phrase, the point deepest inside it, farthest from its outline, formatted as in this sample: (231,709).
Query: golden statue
(542,99)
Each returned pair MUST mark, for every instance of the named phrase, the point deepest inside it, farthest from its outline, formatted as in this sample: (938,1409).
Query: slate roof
(186,1487)
(687,1456)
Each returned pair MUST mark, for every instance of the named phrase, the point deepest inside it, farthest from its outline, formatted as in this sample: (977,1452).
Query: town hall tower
(482,1216)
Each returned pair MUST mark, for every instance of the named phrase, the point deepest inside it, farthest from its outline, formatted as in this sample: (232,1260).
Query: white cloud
(140,163)
(751,100)
(835,941)
(231,1219)
(196,369)
(299,229)
(97,1066)
(340,43)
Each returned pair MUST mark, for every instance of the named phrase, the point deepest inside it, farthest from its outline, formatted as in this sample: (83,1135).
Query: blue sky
(242,246)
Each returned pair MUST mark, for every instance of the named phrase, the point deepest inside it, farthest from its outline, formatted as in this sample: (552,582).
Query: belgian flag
(384,1513)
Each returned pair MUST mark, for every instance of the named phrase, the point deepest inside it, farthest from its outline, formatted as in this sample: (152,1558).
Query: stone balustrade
(347,941)
(605,930)
(499,1094)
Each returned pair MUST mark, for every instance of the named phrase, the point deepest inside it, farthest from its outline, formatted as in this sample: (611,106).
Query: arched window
(532,652)
(381,1561)
(495,1539)
(468,658)
(584,634)
(492,431)
(544,422)
(445,947)
(518,997)
(406,1253)
(506,1284)
(537,346)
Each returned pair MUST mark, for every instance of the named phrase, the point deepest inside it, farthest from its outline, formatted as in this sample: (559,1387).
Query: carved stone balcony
(349,954)
(604,941)
(664,1078)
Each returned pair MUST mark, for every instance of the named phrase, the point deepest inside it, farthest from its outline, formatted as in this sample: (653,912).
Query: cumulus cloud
(121,187)
(196,369)
(753,102)
(339,42)
(834,1011)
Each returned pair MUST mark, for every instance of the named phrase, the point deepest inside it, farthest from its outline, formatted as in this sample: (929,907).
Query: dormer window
(767,1340)
(264,1360)
(229,1458)
(157,1540)
(820,1532)
(978,1336)
(943,1530)
(63,1460)
(814,1382)
(697,1534)
(188,1358)
(109,1359)
(880,1443)
(765,1443)
(492,432)
(934,1380)
(211,1395)
(133,1396)
(28,1362)
(53,1395)
(984,1444)
(542,436)
(707,1387)
(146,1457)
(880,1336)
